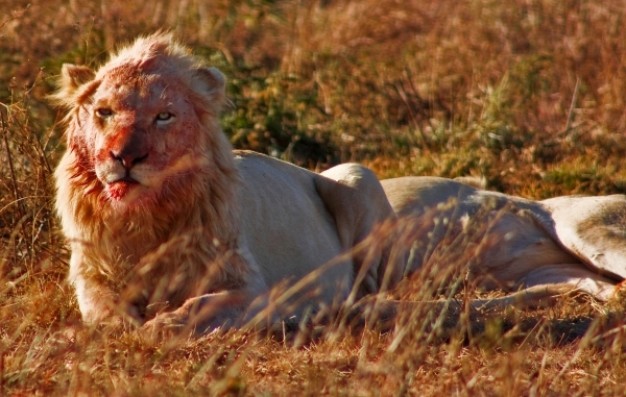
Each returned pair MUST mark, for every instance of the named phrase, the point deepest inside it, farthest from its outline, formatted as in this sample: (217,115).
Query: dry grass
(528,94)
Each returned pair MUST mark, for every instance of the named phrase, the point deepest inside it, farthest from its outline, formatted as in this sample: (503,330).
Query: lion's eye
(164,117)
(104,112)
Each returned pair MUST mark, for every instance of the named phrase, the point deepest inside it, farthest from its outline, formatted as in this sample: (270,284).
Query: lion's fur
(205,221)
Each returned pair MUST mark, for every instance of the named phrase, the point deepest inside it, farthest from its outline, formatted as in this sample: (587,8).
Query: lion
(168,225)
(537,250)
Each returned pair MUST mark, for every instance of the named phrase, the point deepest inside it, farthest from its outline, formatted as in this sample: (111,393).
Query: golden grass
(526,94)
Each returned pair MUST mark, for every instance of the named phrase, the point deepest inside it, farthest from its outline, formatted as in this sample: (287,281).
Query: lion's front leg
(234,306)
(95,301)
(201,314)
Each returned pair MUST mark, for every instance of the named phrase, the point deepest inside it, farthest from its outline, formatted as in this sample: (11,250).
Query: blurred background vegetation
(527,94)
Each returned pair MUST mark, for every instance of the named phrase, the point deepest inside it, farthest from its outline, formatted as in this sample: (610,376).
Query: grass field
(526,94)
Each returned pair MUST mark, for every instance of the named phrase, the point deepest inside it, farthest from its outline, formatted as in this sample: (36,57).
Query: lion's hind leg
(576,277)
(540,288)
(385,314)
(546,285)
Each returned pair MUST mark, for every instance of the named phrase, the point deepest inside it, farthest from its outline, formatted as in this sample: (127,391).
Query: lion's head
(146,165)
(144,123)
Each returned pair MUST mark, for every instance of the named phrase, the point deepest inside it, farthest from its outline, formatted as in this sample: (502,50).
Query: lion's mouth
(119,189)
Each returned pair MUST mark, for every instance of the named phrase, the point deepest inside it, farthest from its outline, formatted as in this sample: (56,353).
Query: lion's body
(163,219)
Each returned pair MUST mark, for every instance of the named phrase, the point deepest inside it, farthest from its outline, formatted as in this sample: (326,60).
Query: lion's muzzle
(119,158)
(128,147)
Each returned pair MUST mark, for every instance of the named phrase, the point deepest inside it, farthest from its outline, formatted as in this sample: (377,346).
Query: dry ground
(527,94)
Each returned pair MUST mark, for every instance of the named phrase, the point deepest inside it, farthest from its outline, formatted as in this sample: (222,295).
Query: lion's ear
(72,77)
(213,84)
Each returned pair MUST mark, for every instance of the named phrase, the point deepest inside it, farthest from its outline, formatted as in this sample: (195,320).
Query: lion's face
(142,129)
(145,134)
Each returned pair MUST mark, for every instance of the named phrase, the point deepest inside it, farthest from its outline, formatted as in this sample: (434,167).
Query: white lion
(168,226)
(164,220)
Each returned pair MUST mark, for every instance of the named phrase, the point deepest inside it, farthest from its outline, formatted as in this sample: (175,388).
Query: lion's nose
(128,158)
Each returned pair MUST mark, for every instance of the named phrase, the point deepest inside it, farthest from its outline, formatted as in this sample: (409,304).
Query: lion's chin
(121,189)
(127,193)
